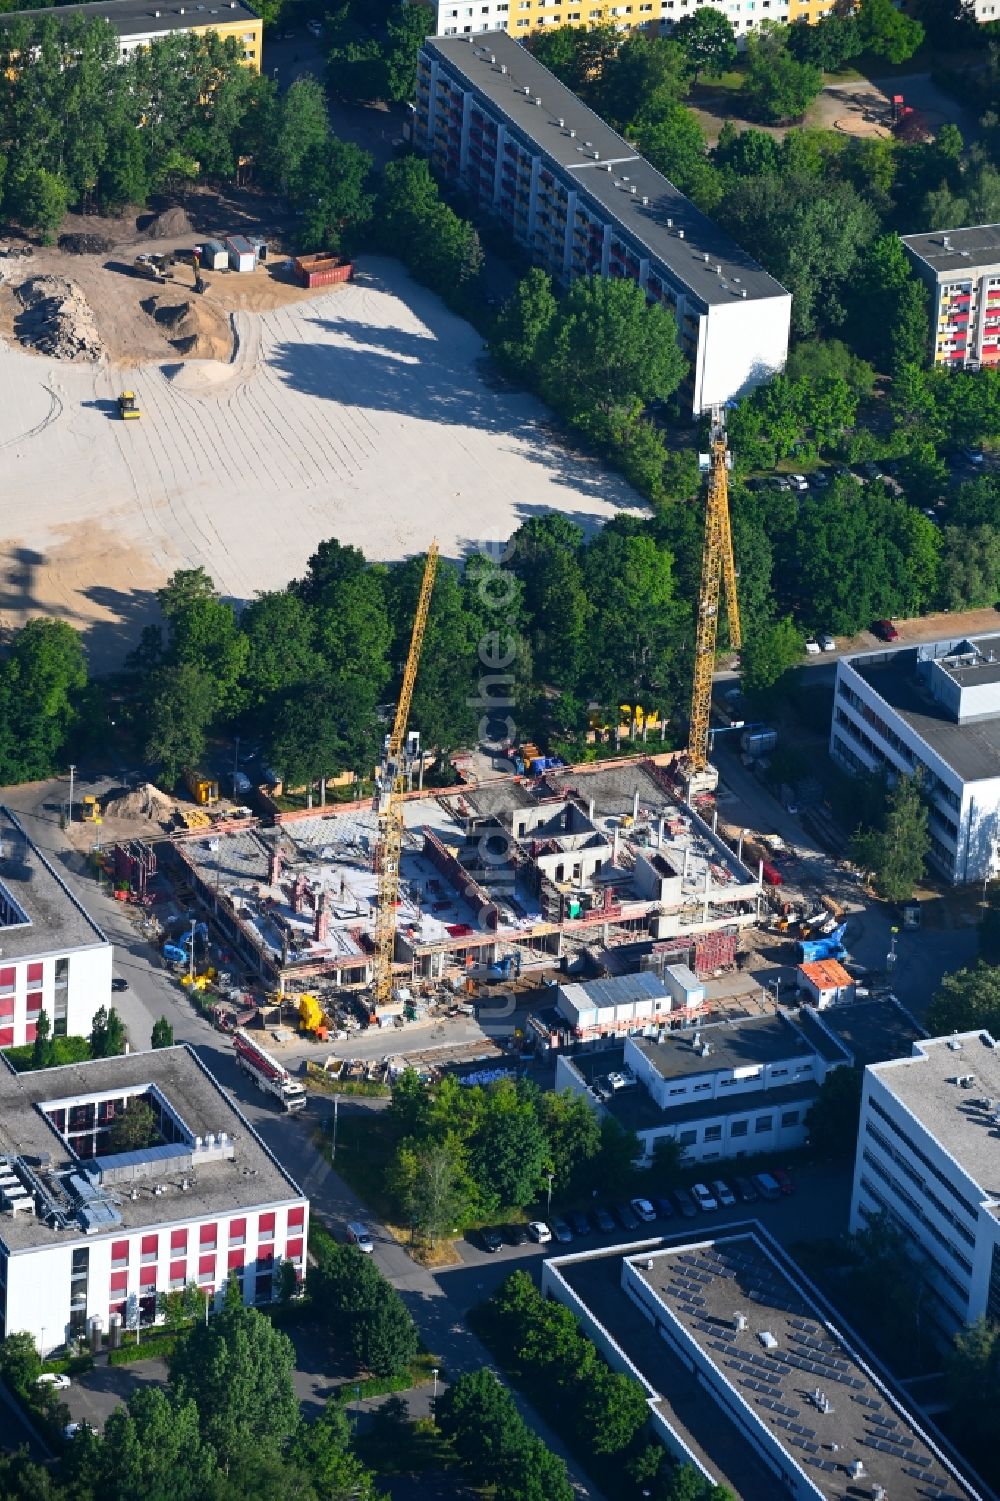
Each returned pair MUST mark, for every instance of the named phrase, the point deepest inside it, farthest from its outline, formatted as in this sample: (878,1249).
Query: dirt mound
(172,224)
(57,319)
(85,244)
(145,801)
(195,329)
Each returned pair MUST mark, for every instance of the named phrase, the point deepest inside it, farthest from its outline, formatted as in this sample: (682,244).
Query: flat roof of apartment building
(215,1163)
(951,1085)
(140,17)
(38,913)
(570,134)
(972,750)
(947,251)
(749,1043)
(774,1352)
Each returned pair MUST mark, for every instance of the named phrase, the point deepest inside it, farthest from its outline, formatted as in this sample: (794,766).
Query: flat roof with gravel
(141,17)
(946,251)
(38,913)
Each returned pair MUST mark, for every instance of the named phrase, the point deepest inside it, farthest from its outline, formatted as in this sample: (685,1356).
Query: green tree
(833,1118)
(107,1034)
(302,130)
(895,853)
(134,1126)
(887,32)
(364,1310)
(776,86)
(177,718)
(613,1409)
(237,1370)
(43,1051)
(163,1034)
(578,57)
(531,1472)
(322,1450)
(671,138)
(405,33)
(336,197)
(828,44)
(433,1185)
(973,1376)
(967,1000)
(769,650)
(970,567)
(38,199)
(645,74)
(708,40)
(638,622)
(572,1136)
(20,1362)
(546,554)
(888,303)
(523,325)
(153,1450)
(509,1152)
(40,688)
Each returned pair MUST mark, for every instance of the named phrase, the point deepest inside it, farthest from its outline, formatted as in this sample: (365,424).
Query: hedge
(160,1348)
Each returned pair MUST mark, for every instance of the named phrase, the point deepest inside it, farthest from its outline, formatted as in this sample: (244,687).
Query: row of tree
(363,1312)
(602,1413)
(494,1444)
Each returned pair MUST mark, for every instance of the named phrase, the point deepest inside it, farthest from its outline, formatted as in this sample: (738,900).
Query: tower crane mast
(389,797)
(718,569)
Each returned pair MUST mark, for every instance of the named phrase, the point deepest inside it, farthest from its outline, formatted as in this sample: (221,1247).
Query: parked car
(580,1222)
(665,1208)
(767,1186)
(798,482)
(357,1235)
(746,1191)
(539,1231)
(819,479)
(779,482)
(826,641)
(516,1235)
(812,647)
(783,1179)
(55,1380)
(685,1204)
(723,1193)
(972,455)
(605,1219)
(118,984)
(644,1209)
(490,1240)
(703,1197)
(884,630)
(561,1231)
(869,470)
(626,1218)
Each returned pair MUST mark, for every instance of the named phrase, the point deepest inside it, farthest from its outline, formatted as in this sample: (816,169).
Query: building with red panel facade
(962,269)
(93,1235)
(53,956)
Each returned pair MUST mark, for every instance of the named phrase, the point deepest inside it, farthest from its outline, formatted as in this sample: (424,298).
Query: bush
(160,1347)
(64,1050)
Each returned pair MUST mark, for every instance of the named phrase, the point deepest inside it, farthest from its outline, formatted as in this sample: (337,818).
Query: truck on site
(90,808)
(270,1076)
(204,789)
(831,946)
(760,742)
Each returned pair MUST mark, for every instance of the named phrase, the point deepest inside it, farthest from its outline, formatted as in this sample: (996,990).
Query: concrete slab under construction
(603,854)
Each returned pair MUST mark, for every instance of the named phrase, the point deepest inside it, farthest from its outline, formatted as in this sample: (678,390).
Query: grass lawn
(365,1149)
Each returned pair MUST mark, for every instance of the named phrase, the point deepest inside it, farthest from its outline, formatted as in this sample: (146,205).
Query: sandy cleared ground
(361,414)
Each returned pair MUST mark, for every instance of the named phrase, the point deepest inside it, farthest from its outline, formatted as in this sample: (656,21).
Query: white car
(53,1379)
(539,1231)
(644,1210)
(358,1235)
(799,482)
(703,1198)
(723,1193)
(826,642)
(812,648)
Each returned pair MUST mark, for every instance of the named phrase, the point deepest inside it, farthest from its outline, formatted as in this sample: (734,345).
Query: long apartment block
(582,202)
(962,269)
(654,17)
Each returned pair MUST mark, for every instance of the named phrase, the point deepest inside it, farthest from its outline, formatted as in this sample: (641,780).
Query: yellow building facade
(140,22)
(521,17)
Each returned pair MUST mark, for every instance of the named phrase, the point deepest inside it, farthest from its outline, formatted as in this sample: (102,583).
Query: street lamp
(434,1373)
(72,774)
(550,1177)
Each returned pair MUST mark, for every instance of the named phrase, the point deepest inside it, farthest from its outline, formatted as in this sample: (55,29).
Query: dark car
(119,984)
(745,1191)
(561,1231)
(665,1208)
(783,1179)
(516,1235)
(870,471)
(626,1217)
(581,1224)
(490,1240)
(685,1203)
(605,1219)
(884,630)
(819,479)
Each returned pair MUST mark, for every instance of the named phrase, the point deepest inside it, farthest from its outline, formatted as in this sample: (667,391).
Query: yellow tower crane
(389,797)
(717,567)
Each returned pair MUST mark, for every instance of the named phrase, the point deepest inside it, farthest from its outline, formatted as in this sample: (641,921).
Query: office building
(932,711)
(748,1376)
(139,22)
(927,1158)
(581,202)
(53,956)
(90,1233)
(962,269)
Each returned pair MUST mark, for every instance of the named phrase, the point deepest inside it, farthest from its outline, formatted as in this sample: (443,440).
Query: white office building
(93,1236)
(932,711)
(581,202)
(53,956)
(928,1158)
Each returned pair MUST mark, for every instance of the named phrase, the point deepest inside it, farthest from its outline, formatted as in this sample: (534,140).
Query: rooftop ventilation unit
(680,234)
(718,270)
(706,257)
(572,135)
(743,291)
(767,1339)
(537,101)
(954,1044)
(645,202)
(878,1493)
(633,190)
(965,1081)
(493,60)
(526,91)
(503,68)
(739,1322)
(856,1469)
(561,122)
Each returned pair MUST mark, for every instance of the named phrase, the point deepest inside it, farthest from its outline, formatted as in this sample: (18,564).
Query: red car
(885,630)
(783,1180)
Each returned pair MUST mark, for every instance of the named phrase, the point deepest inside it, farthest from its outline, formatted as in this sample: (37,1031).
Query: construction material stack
(268,1074)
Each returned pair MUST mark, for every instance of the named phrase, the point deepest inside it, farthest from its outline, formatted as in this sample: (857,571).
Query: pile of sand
(195,328)
(173,224)
(57,319)
(145,801)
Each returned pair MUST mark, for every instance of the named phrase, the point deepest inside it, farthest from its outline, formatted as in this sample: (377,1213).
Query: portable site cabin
(214,255)
(242,255)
